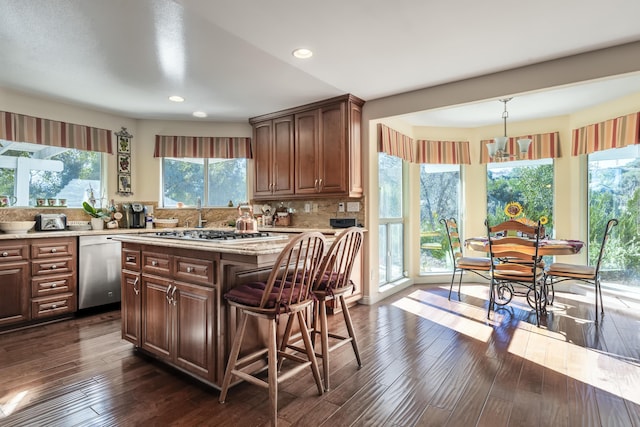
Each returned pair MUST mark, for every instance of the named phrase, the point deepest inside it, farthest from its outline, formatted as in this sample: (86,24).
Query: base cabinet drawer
(52,305)
(55,247)
(37,280)
(52,266)
(45,286)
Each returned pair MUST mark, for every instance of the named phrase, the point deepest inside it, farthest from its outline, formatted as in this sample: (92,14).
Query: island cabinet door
(14,293)
(156,315)
(194,344)
(130,307)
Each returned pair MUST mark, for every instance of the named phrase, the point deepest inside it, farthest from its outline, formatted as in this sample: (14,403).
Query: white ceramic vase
(97,223)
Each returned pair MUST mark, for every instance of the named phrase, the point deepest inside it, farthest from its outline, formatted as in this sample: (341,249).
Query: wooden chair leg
(272,354)
(324,341)
(352,334)
(233,356)
(311,354)
(285,340)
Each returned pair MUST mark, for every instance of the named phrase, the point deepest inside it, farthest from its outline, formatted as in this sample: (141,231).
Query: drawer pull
(53,250)
(53,285)
(54,306)
(53,267)
(5,253)
(130,259)
(135,286)
(154,263)
(190,269)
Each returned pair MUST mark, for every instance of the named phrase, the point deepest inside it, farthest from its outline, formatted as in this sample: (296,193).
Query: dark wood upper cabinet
(273,157)
(316,152)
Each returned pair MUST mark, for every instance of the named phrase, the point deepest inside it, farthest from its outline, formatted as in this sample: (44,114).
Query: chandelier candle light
(498,148)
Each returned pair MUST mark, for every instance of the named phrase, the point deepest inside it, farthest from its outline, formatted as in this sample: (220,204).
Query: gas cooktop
(218,236)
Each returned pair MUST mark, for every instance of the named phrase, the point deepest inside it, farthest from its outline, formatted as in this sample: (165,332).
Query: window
(391,228)
(439,198)
(215,181)
(34,171)
(529,183)
(614,192)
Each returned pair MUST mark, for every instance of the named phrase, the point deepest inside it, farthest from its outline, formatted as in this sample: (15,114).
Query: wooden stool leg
(325,341)
(285,340)
(352,334)
(310,351)
(272,354)
(233,356)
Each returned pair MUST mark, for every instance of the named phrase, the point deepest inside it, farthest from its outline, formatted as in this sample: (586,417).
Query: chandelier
(498,150)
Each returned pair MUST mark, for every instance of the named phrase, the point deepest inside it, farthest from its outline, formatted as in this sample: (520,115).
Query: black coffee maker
(134,215)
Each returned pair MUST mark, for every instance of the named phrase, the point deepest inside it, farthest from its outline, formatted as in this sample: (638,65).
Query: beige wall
(570,173)
(145,168)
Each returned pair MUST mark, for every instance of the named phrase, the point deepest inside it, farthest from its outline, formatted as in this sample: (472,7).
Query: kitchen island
(172,298)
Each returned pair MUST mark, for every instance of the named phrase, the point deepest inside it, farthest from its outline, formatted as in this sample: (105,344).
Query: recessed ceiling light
(199,114)
(302,53)
(176,98)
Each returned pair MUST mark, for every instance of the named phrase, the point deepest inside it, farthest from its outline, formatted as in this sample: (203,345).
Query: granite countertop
(140,231)
(241,247)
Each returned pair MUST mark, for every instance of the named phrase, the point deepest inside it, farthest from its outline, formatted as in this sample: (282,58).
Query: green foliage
(390,184)
(615,193)
(95,213)
(531,186)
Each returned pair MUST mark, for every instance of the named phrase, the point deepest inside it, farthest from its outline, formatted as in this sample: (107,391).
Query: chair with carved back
(516,266)
(478,265)
(559,272)
(287,291)
(333,282)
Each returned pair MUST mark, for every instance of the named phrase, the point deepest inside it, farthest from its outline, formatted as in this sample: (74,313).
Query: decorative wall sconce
(124,162)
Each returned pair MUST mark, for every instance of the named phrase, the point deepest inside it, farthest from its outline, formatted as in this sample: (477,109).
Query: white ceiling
(232,59)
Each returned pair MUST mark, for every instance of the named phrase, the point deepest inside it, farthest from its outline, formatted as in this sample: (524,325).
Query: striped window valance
(206,147)
(543,146)
(615,133)
(23,128)
(394,143)
(443,152)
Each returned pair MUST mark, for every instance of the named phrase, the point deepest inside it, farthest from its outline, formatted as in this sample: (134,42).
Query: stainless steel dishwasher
(98,271)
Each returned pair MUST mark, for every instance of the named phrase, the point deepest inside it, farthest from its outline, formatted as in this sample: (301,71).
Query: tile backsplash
(312,213)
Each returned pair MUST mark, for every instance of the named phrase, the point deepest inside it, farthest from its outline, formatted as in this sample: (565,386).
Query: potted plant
(98,216)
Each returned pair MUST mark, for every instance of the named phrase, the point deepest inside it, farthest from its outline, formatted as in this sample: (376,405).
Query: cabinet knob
(130,259)
(53,267)
(5,253)
(190,269)
(54,250)
(154,263)
(53,285)
(54,306)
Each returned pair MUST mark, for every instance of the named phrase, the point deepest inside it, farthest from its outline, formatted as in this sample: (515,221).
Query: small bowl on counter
(165,223)
(16,227)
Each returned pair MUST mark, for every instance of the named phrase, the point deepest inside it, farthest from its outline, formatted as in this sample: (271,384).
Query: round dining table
(547,246)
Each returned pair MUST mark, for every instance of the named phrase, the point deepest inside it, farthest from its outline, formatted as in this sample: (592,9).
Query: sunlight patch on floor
(8,408)
(589,366)
(465,319)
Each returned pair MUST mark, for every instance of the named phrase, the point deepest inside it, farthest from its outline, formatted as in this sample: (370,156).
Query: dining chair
(516,267)
(559,272)
(287,291)
(333,282)
(478,265)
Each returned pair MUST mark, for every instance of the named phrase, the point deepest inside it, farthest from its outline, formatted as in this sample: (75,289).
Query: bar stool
(333,282)
(287,290)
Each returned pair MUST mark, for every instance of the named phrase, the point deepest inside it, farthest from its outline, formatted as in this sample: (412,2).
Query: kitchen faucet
(199,208)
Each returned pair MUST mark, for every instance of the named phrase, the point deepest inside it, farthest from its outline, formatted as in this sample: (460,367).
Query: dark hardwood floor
(427,361)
